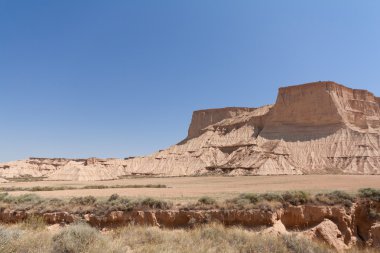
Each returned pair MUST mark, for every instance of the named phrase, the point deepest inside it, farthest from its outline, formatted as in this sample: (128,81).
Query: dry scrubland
(183,189)
(245,201)
(82,238)
(33,236)
(265,193)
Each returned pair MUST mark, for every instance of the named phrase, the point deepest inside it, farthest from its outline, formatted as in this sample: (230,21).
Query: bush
(262,200)
(3,195)
(78,238)
(206,201)
(31,199)
(296,197)
(303,245)
(251,197)
(271,197)
(116,200)
(114,203)
(95,187)
(113,197)
(370,193)
(334,198)
(7,237)
(154,204)
(85,201)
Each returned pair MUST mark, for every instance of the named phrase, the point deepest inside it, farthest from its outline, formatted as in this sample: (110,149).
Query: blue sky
(121,78)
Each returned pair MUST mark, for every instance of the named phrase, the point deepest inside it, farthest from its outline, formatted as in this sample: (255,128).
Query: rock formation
(315,128)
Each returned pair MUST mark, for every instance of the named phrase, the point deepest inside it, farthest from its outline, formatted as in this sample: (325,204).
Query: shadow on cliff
(291,133)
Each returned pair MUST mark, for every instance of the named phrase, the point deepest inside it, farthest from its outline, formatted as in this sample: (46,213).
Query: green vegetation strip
(60,188)
(33,202)
(246,201)
(273,201)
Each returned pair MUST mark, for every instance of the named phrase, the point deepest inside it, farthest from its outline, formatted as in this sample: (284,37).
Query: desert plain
(184,189)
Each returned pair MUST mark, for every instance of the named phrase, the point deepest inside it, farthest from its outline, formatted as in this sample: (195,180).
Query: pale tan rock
(328,232)
(75,171)
(277,229)
(315,128)
(204,118)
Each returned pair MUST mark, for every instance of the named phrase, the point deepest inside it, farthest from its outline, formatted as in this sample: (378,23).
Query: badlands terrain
(315,128)
(301,175)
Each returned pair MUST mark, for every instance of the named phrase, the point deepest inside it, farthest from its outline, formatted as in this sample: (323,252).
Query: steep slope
(320,127)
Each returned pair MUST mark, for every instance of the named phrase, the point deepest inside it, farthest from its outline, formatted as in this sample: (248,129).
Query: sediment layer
(315,128)
(340,227)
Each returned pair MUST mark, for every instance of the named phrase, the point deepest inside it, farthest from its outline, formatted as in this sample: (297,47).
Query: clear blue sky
(121,78)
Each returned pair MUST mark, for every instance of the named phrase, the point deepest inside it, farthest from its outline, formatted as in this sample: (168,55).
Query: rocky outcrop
(328,232)
(319,109)
(315,128)
(92,169)
(204,118)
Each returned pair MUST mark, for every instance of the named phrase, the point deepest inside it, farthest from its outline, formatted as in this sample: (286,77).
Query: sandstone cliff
(314,128)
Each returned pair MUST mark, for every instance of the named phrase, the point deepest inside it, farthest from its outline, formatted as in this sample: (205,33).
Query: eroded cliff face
(339,227)
(303,112)
(204,118)
(320,109)
(314,128)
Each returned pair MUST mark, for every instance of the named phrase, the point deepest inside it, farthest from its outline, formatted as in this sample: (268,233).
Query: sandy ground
(189,188)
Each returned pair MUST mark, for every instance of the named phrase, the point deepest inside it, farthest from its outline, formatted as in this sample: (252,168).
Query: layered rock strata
(315,128)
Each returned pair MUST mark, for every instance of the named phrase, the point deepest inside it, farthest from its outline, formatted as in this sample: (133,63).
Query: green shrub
(3,195)
(115,203)
(271,197)
(113,197)
(251,197)
(154,203)
(296,197)
(77,239)
(207,201)
(95,187)
(154,186)
(25,198)
(370,193)
(334,198)
(85,201)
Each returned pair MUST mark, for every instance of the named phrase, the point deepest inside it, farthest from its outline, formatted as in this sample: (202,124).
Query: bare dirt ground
(182,189)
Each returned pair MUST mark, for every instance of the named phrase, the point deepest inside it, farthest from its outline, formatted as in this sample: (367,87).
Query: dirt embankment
(338,226)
